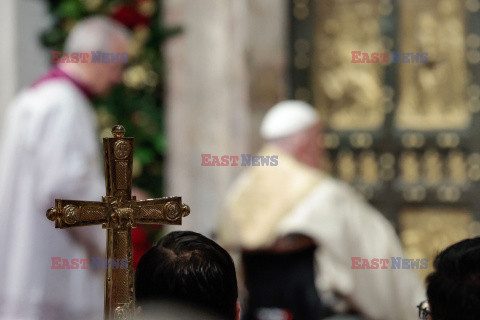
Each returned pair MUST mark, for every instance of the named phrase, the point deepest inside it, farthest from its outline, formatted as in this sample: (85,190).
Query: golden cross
(118,212)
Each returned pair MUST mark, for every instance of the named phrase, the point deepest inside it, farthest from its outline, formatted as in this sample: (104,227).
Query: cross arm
(73,213)
(169,210)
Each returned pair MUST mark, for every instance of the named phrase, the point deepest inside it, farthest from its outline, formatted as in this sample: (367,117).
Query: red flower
(140,243)
(129,16)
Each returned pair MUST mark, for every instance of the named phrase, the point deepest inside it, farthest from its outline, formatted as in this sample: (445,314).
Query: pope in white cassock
(275,215)
(50,149)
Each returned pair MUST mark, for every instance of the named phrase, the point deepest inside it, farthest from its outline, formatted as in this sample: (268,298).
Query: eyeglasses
(424,310)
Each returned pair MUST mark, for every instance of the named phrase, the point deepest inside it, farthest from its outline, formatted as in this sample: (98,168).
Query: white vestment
(345,226)
(49,150)
(269,202)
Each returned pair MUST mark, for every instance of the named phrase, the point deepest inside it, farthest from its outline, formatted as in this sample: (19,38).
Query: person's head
(97,34)
(453,288)
(295,127)
(189,268)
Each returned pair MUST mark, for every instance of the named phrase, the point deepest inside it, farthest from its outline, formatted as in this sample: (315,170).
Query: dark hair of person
(188,267)
(453,289)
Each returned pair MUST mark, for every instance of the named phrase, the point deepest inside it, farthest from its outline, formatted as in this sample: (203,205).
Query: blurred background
(202,74)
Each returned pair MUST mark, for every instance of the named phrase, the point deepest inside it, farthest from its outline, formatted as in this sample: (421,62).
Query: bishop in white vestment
(294,198)
(50,149)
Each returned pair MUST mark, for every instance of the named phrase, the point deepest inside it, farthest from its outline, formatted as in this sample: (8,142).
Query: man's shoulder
(54,94)
(57,90)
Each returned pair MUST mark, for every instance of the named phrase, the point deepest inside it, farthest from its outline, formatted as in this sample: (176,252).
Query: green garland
(138,103)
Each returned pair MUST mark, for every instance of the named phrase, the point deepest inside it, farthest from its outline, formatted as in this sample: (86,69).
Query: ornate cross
(118,212)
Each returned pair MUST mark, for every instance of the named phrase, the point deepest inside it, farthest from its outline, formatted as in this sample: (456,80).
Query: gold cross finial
(118,212)
(118,131)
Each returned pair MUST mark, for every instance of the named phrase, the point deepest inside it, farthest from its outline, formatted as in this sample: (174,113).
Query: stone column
(22,58)
(207,102)
(7,54)
(33,58)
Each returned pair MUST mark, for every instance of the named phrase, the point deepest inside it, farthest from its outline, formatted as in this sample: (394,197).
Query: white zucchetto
(286,118)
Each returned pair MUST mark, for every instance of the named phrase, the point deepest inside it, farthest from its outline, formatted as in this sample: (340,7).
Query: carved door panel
(405,135)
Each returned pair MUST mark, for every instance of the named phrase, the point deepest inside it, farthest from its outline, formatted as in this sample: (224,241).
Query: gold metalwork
(449,193)
(473,161)
(326,164)
(432,167)
(473,91)
(331,140)
(432,95)
(472,5)
(366,190)
(347,169)
(410,167)
(361,140)
(413,140)
(368,169)
(301,59)
(344,91)
(387,174)
(448,140)
(300,9)
(387,166)
(457,168)
(427,231)
(118,212)
(387,160)
(303,94)
(122,149)
(415,193)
